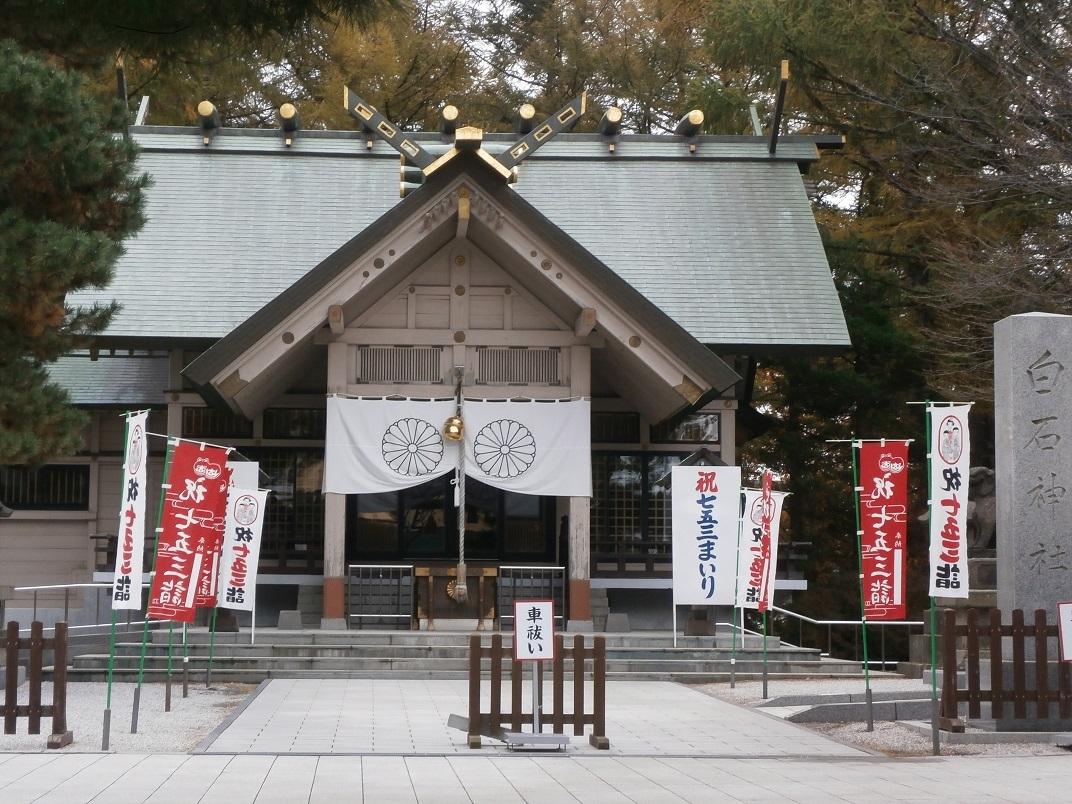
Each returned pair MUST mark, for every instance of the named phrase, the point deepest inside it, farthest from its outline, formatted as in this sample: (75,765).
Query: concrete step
(856,712)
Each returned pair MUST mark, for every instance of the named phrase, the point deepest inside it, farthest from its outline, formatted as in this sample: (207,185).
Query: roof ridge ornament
(376,123)
(562,120)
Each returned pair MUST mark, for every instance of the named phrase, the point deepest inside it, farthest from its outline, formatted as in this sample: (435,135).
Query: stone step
(273,636)
(253,676)
(856,712)
(435,664)
(128,649)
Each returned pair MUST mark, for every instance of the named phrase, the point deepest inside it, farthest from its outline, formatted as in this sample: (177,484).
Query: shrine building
(648,274)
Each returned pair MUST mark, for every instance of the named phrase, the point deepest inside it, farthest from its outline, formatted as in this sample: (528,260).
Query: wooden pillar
(334,613)
(580,538)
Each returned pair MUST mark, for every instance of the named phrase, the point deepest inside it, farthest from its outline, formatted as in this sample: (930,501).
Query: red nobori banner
(884,523)
(191,527)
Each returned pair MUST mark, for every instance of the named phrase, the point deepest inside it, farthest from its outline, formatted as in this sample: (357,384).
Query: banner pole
(167,682)
(108,700)
(764,654)
(736,591)
(673,617)
(145,625)
(211,647)
(863,609)
(936,748)
(253,617)
(185,660)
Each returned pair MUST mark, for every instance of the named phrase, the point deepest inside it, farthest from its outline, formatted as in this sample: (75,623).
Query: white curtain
(531,447)
(376,445)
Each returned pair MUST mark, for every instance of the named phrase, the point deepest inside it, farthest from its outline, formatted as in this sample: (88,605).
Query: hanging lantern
(453,428)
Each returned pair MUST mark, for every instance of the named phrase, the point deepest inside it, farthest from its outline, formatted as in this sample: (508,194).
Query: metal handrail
(67,587)
(861,623)
(808,619)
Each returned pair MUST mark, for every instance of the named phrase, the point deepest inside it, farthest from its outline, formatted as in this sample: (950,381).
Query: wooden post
(598,737)
(558,677)
(973,667)
(1042,669)
(496,681)
(997,682)
(11,683)
(949,670)
(1019,679)
(516,668)
(578,684)
(34,676)
(60,736)
(474,691)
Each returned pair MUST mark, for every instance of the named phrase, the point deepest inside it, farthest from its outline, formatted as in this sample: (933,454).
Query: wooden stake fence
(514,718)
(33,711)
(989,626)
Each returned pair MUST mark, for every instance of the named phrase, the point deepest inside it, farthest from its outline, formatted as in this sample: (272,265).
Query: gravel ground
(892,739)
(178,731)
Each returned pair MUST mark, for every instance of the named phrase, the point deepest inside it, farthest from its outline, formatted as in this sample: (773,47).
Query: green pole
(167,685)
(936,748)
(211,647)
(863,609)
(145,625)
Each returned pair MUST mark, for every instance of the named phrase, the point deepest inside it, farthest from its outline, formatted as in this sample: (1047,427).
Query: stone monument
(1033,451)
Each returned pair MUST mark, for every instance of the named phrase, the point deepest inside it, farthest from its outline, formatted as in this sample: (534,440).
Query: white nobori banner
(130,549)
(950,449)
(706,502)
(241,548)
(527,447)
(378,445)
(530,447)
(756,564)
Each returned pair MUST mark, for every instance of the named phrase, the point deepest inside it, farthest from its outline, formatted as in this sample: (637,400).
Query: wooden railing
(988,626)
(33,710)
(514,717)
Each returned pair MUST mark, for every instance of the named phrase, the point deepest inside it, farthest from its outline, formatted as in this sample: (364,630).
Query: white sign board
(534,630)
(706,510)
(1064,629)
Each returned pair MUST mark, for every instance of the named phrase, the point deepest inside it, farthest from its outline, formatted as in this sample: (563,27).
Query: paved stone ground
(179,778)
(386,716)
(671,744)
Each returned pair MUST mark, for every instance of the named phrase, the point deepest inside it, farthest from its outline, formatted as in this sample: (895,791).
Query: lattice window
(214,423)
(60,487)
(308,423)
(399,364)
(518,365)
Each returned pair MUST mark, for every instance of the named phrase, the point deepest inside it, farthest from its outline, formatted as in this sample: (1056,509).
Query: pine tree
(69,196)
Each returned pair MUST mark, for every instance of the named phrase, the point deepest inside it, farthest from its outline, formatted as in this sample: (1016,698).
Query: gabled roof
(707,374)
(120,381)
(722,240)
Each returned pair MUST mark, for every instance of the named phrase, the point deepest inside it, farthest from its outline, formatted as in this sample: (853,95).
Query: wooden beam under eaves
(585,322)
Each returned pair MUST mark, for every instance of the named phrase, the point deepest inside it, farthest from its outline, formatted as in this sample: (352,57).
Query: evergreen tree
(69,196)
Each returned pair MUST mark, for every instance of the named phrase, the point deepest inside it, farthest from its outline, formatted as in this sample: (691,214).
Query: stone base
(332,623)
(580,626)
(60,740)
(617,623)
(226,622)
(289,620)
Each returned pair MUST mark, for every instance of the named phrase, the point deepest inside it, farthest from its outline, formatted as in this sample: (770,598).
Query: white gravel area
(178,731)
(889,738)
